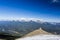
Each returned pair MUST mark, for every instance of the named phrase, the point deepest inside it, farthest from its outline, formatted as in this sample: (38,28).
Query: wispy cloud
(28,19)
(55,1)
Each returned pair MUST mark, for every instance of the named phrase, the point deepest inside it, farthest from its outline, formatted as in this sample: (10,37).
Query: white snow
(41,37)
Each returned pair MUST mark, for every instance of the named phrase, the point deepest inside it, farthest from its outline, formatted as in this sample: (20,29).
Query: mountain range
(21,28)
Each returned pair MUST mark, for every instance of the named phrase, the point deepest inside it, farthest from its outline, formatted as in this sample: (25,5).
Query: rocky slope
(38,32)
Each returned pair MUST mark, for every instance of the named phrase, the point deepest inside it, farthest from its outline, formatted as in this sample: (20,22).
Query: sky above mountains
(48,10)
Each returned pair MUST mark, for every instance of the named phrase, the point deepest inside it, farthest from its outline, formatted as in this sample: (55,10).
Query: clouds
(29,19)
(55,1)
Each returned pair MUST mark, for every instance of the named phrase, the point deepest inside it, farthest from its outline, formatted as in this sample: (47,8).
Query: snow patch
(42,37)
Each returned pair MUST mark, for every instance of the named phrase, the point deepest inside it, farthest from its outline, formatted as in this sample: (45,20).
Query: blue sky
(48,10)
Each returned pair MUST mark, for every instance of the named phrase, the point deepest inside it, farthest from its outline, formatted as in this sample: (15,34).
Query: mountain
(38,32)
(17,28)
(53,28)
(21,28)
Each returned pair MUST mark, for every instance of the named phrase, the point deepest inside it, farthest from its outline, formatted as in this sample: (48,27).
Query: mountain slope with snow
(41,37)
